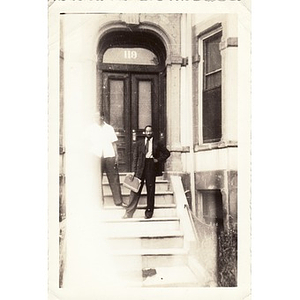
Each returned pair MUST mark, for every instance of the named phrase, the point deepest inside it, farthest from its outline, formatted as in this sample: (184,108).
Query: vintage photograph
(149,185)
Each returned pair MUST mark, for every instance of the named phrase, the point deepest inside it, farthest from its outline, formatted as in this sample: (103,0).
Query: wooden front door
(131,101)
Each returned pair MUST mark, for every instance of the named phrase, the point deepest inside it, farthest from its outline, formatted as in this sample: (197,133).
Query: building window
(212,84)
(209,207)
(135,56)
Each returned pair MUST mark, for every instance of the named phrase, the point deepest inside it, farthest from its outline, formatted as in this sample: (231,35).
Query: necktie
(147,146)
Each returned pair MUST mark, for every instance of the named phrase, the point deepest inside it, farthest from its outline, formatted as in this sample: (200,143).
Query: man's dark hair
(148,126)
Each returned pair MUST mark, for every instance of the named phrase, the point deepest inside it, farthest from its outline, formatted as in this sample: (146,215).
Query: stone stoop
(148,252)
(162,190)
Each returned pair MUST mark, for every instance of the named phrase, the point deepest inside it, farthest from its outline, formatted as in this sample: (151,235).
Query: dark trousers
(149,176)
(108,165)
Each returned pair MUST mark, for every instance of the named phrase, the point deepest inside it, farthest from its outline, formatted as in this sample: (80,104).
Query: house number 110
(130,54)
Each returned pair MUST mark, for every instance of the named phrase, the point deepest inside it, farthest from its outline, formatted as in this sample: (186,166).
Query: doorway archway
(132,86)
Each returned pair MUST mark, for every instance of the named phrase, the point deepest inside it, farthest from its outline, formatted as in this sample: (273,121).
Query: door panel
(131,101)
(144,103)
(116,115)
(116,106)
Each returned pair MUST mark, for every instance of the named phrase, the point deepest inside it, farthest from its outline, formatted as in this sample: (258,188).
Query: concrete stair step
(117,213)
(141,206)
(148,252)
(123,174)
(154,242)
(160,186)
(141,225)
(130,234)
(138,259)
(174,276)
(160,198)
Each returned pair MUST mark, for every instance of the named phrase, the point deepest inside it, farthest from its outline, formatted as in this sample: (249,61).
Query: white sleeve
(113,136)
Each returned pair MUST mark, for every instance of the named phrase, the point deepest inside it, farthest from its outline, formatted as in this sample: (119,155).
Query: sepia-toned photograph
(149,150)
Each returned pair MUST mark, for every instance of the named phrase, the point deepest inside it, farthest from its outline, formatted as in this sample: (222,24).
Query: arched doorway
(131,69)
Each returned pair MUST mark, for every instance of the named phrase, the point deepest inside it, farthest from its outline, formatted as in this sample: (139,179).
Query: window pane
(212,55)
(136,56)
(212,206)
(116,89)
(144,100)
(213,80)
(212,115)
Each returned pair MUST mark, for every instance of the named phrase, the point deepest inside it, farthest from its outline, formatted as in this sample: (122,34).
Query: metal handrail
(186,206)
(194,218)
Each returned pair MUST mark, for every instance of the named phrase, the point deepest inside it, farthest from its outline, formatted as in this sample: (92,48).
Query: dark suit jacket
(160,152)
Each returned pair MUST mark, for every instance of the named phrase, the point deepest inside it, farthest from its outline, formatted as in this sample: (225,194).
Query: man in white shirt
(105,147)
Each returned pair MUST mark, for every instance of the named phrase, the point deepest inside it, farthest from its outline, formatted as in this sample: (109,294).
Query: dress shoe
(148,214)
(124,205)
(127,216)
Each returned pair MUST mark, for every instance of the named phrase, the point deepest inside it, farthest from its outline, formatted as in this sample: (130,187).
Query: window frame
(115,51)
(201,76)
(202,203)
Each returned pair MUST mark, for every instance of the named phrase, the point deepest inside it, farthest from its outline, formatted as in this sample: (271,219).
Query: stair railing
(186,223)
(200,244)
(190,214)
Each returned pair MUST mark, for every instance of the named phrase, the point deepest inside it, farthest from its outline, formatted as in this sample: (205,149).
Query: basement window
(210,207)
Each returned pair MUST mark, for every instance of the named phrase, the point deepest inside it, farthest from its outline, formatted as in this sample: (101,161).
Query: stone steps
(160,186)
(139,259)
(123,174)
(173,276)
(156,241)
(162,198)
(139,245)
(113,212)
(138,225)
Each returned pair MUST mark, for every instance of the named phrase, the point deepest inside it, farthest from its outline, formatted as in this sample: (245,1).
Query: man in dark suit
(148,159)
